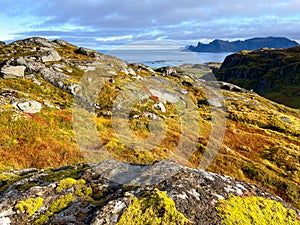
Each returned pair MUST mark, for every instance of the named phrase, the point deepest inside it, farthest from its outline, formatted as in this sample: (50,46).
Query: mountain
(272,73)
(249,44)
(62,105)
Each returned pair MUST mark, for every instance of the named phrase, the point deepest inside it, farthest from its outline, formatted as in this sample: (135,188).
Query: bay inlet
(161,58)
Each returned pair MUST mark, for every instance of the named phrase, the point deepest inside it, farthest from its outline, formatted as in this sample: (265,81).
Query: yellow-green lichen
(66,183)
(30,205)
(83,191)
(6,180)
(255,211)
(80,189)
(57,206)
(153,208)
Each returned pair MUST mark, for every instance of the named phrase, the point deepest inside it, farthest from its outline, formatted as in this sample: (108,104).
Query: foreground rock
(106,193)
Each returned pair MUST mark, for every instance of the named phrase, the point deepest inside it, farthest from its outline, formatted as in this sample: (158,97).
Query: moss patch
(153,208)
(79,185)
(57,206)
(66,183)
(255,211)
(30,205)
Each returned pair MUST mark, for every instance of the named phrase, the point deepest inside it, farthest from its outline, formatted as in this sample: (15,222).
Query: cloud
(116,38)
(111,22)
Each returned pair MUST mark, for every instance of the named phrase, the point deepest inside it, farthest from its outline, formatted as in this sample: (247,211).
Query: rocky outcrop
(143,67)
(43,42)
(60,80)
(62,43)
(167,71)
(250,44)
(2,43)
(86,51)
(50,56)
(102,193)
(8,72)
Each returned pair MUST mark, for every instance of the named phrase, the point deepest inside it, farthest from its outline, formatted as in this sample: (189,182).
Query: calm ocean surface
(160,58)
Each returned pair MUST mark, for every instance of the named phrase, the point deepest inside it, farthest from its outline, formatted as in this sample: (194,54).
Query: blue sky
(104,24)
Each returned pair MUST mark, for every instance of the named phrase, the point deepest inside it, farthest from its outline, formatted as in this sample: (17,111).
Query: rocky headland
(249,44)
(271,73)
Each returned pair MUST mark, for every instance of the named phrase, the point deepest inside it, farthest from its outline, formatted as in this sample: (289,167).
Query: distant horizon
(108,24)
(166,45)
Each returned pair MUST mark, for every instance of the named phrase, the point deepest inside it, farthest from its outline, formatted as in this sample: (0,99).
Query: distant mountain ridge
(249,44)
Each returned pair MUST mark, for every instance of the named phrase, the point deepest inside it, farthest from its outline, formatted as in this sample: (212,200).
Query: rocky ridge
(101,193)
(249,44)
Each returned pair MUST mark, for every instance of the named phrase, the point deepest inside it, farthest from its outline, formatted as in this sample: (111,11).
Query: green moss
(65,184)
(30,205)
(83,191)
(153,208)
(28,185)
(57,206)
(41,220)
(255,211)
(60,204)
(6,177)
(80,189)
(72,172)
(6,180)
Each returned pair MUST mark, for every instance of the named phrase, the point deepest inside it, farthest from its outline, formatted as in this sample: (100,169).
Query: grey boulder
(8,72)
(50,56)
(30,106)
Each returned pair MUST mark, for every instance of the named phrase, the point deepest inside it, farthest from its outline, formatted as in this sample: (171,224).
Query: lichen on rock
(255,211)
(30,205)
(153,208)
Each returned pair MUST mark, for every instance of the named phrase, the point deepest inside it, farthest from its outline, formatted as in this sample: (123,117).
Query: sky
(107,24)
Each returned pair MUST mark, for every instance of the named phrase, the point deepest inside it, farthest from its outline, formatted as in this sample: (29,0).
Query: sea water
(160,58)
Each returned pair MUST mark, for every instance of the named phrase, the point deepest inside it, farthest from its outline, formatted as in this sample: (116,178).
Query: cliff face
(118,193)
(274,74)
(250,44)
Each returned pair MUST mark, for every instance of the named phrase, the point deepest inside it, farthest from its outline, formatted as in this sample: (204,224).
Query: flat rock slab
(12,71)
(30,106)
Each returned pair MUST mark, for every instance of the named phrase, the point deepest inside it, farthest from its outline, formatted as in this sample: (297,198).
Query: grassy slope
(261,143)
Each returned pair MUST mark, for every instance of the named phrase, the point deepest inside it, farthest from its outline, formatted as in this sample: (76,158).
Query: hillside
(274,74)
(249,44)
(62,105)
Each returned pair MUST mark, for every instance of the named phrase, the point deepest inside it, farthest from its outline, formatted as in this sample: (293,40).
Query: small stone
(119,206)
(48,104)
(5,221)
(131,71)
(160,106)
(30,106)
